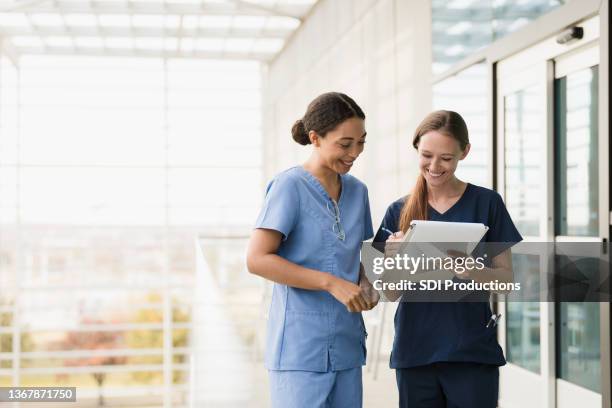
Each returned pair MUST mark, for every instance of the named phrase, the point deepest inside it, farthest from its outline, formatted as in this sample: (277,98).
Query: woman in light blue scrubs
(446,355)
(307,240)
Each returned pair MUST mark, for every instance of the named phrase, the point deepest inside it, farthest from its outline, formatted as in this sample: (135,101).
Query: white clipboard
(469,233)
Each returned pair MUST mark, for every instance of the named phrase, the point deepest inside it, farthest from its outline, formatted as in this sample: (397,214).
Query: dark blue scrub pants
(448,385)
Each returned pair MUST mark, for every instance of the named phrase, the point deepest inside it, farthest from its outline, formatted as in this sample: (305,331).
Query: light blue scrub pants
(307,389)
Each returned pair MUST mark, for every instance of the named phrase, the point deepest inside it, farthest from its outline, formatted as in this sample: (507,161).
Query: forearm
(362,276)
(388,278)
(280,270)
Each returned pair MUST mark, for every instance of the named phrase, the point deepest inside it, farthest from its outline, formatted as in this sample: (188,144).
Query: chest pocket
(319,236)
(353,224)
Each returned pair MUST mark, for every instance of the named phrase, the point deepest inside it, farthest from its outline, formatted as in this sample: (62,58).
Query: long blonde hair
(450,124)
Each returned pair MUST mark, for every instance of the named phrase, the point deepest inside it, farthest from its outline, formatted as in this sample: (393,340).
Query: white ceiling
(218,29)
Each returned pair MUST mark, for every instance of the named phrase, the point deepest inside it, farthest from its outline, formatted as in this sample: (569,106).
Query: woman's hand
(396,237)
(392,247)
(368,292)
(348,294)
(394,241)
(464,273)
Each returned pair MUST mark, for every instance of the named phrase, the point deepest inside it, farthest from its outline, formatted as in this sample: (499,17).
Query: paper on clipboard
(466,235)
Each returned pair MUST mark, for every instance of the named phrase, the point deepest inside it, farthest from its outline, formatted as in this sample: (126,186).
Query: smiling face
(341,146)
(439,155)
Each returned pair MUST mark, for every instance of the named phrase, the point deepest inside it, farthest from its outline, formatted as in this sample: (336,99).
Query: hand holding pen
(393,236)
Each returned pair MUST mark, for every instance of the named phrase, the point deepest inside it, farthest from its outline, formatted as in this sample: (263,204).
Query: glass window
(523,144)
(523,318)
(8,112)
(466,93)
(578,344)
(117,166)
(576,144)
(92,195)
(9,188)
(460,27)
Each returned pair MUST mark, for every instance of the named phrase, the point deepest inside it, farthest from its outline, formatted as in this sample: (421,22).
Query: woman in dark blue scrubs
(446,354)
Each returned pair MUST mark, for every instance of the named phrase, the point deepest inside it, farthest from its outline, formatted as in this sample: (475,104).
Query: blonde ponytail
(415,207)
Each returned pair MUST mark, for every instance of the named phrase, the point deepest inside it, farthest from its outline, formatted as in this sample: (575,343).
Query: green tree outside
(6,339)
(146,338)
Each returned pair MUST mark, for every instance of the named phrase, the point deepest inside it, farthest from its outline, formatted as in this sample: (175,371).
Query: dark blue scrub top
(428,332)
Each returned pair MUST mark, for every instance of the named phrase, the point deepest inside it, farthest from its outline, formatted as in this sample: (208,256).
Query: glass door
(577,218)
(554,179)
(523,169)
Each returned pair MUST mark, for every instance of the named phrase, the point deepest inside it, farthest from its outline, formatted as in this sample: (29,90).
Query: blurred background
(137,137)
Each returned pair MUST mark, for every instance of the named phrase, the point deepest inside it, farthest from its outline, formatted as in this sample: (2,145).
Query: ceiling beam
(237,8)
(180,29)
(144,32)
(271,10)
(18,6)
(65,25)
(140,53)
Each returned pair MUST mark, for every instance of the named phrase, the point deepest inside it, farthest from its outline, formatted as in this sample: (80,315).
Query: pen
(493,320)
(387,230)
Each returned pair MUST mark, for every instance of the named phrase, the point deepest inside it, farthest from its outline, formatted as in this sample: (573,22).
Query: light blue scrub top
(310,330)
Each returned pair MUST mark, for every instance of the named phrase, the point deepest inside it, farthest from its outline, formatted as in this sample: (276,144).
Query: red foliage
(94,340)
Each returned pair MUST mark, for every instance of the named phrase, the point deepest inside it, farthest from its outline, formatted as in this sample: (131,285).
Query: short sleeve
(368,229)
(281,207)
(501,226)
(502,229)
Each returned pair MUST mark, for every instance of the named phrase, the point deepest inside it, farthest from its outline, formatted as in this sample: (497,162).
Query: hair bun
(298,132)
